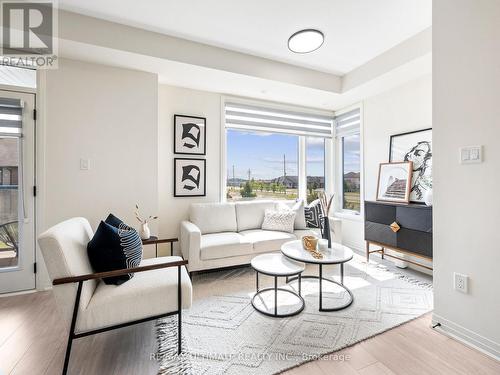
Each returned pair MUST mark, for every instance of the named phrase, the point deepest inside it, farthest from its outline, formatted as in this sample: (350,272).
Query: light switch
(471,154)
(84,164)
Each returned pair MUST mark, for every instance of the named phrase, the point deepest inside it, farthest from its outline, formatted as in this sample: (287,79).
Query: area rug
(224,334)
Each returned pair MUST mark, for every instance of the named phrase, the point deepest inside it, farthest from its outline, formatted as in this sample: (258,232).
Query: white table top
(336,254)
(276,265)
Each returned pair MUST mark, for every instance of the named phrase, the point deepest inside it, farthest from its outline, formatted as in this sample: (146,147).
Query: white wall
(405,108)
(108,115)
(466,66)
(176,100)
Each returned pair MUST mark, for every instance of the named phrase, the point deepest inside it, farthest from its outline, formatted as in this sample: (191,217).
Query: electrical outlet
(460,282)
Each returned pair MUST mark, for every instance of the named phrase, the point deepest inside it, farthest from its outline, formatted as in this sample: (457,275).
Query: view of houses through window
(261,165)
(315,167)
(265,166)
(351,172)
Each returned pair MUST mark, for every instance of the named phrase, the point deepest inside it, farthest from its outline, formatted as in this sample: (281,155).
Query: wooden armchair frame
(100,275)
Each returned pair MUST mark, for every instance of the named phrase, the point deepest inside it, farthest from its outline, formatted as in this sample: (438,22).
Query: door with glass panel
(17,175)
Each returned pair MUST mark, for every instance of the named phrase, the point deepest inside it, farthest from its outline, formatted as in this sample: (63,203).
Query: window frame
(340,211)
(302,148)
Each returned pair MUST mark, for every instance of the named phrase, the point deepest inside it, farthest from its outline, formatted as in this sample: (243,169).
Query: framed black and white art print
(190,135)
(190,177)
(416,147)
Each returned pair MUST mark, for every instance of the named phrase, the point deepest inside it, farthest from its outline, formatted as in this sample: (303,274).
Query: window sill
(348,216)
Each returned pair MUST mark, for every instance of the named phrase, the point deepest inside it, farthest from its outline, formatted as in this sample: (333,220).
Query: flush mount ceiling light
(305,41)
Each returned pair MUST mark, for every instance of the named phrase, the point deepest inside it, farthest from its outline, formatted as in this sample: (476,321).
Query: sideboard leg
(383,251)
(367,252)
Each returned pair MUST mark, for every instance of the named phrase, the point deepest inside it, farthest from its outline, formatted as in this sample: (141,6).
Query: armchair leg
(179,315)
(72,328)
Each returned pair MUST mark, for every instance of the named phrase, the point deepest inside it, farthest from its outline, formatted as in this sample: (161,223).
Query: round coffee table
(337,254)
(276,265)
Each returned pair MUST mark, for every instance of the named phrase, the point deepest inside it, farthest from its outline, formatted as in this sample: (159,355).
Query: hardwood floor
(33,341)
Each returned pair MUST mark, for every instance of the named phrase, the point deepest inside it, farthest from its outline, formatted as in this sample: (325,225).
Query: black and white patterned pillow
(314,214)
(115,246)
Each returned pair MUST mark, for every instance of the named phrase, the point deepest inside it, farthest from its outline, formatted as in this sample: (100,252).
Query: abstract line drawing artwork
(416,147)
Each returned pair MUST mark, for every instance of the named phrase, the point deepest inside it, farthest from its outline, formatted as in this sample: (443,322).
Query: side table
(154,240)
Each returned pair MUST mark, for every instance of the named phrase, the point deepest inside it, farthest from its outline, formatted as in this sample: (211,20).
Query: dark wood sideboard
(405,228)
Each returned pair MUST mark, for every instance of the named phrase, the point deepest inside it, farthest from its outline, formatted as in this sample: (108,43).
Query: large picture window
(274,152)
(261,165)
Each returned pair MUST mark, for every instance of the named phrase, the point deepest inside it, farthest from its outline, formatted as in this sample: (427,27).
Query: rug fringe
(170,362)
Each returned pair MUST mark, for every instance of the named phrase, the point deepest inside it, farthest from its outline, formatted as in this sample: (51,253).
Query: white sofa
(227,234)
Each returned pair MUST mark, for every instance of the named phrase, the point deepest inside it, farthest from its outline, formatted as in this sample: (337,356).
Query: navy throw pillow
(113,248)
(314,214)
(114,221)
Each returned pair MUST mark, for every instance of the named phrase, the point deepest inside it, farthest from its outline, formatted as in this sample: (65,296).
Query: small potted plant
(145,232)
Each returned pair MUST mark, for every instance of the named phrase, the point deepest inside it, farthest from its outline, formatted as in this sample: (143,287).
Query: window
(315,167)
(351,173)
(261,165)
(272,153)
(347,126)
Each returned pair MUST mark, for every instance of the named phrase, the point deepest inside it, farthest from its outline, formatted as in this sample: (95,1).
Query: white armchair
(160,287)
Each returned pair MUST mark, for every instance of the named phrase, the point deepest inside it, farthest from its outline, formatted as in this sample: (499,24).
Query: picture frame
(190,135)
(190,177)
(415,146)
(394,182)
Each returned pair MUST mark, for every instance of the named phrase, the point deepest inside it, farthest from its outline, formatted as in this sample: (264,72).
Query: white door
(17,201)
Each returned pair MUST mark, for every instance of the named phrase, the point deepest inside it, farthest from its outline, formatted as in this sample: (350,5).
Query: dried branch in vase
(139,217)
(326,202)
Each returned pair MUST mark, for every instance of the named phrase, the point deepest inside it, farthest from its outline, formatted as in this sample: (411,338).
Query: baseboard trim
(11,294)
(467,337)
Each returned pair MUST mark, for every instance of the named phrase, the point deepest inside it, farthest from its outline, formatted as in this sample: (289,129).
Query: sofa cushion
(266,240)
(282,220)
(314,214)
(250,215)
(148,294)
(298,208)
(213,217)
(224,245)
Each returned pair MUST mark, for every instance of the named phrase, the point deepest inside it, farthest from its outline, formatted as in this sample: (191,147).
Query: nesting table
(276,265)
(337,254)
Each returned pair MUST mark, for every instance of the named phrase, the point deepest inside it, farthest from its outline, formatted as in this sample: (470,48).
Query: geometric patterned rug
(224,334)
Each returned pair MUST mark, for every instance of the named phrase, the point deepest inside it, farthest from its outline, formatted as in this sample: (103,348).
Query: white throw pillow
(281,221)
(298,208)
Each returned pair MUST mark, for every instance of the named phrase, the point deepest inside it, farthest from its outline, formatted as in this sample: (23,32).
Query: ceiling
(356,31)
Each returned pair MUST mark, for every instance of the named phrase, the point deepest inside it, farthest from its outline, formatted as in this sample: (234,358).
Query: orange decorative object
(310,243)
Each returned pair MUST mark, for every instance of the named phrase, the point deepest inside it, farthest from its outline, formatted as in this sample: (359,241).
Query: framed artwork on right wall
(394,182)
(415,146)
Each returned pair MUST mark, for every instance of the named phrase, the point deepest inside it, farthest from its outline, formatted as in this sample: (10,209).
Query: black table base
(276,289)
(321,279)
